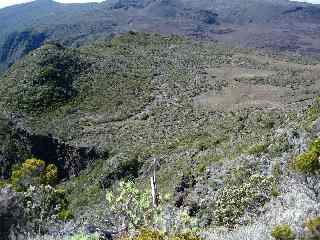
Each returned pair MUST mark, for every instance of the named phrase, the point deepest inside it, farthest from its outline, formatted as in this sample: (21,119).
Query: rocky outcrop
(207,17)
(69,159)
(11,212)
(18,44)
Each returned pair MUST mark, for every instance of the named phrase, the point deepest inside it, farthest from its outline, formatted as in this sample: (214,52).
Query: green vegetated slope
(217,119)
(249,23)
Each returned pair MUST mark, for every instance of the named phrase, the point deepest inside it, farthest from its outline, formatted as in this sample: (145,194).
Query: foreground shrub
(313,225)
(258,148)
(83,237)
(186,236)
(134,210)
(3,183)
(34,172)
(150,234)
(283,232)
(134,207)
(44,205)
(233,201)
(308,162)
(65,215)
(147,234)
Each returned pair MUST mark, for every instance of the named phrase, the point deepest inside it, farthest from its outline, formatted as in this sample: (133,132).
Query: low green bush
(65,215)
(131,204)
(308,162)
(186,236)
(313,225)
(150,234)
(283,232)
(233,201)
(33,172)
(258,148)
(3,183)
(83,237)
(43,205)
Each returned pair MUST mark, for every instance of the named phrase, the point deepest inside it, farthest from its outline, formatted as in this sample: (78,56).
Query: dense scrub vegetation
(148,99)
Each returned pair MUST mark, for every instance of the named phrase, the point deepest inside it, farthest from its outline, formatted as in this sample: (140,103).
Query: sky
(6,3)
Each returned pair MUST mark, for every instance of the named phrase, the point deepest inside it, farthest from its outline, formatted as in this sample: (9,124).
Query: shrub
(3,183)
(150,234)
(313,225)
(33,172)
(134,209)
(315,146)
(171,220)
(51,174)
(186,236)
(65,215)
(233,201)
(277,170)
(147,234)
(258,148)
(313,112)
(83,237)
(43,205)
(308,162)
(133,206)
(283,232)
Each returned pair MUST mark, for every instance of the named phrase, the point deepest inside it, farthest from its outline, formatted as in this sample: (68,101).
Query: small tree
(43,206)
(135,209)
(132,205)
(283,232)
(34,172)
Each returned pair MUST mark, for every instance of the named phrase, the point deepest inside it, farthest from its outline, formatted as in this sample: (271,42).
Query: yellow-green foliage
(186,236)
(315,146)
(33,172)
(233,201)
(83,237)
(277,170)
(313,225)
(132,204)
(44,204)
(149,234)
(51,174)
(258,148)
(283,232)
(313,112)
(308,162)
(65,215)
(2,183)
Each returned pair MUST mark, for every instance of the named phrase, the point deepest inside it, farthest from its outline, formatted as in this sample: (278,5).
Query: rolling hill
(277,25)
(223,123)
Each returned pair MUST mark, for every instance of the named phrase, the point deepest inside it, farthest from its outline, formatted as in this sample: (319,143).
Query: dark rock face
(92,229)
(207,17)
(186,183)
(70,160)
(18,44)
(126,4)
(11,212)
(12,150)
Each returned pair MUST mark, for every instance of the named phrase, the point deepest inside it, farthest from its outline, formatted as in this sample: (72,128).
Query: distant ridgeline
(27,26)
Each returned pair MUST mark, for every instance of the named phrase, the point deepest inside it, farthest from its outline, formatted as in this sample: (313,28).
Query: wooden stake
(154,190)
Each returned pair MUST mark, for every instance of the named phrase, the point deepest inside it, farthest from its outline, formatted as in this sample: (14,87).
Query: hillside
(276,25)
(225,125)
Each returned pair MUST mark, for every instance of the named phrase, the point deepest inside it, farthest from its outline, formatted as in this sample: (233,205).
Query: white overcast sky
(5,3)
